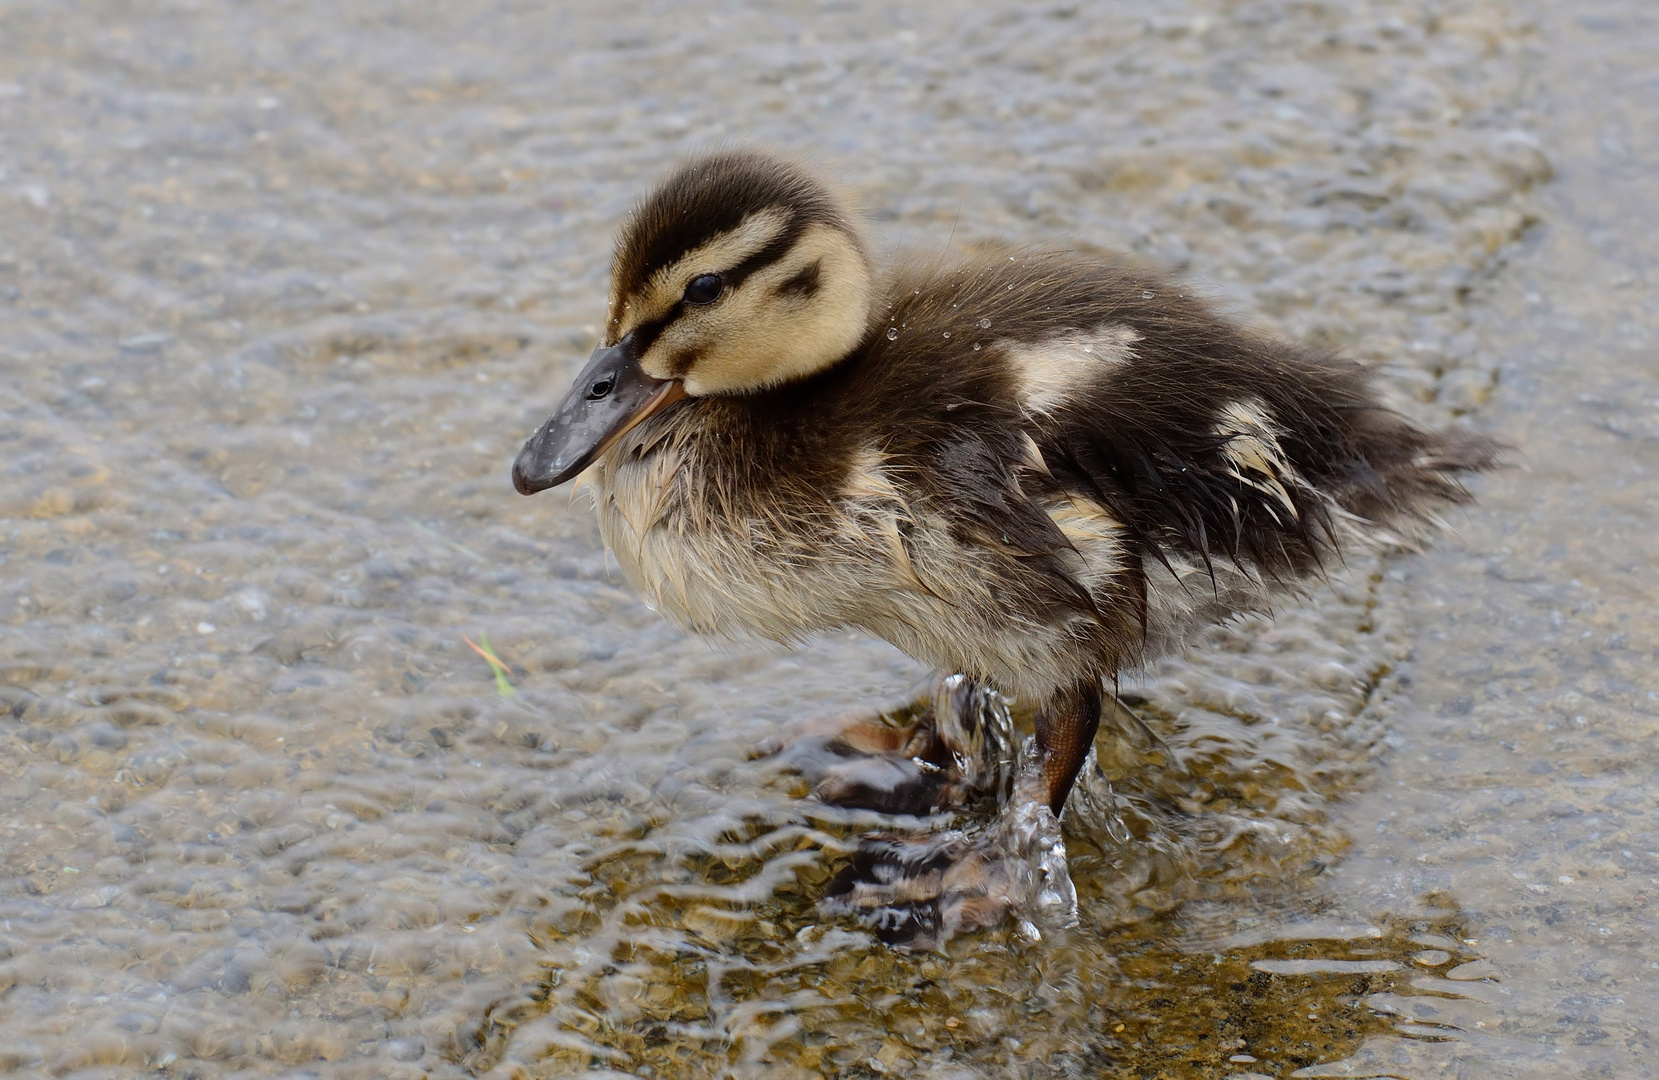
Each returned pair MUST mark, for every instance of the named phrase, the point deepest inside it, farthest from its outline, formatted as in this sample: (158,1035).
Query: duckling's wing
(1143,460)
(1203,440)
(1213,444)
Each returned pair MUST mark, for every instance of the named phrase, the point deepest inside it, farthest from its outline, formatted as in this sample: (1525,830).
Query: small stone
(53,502)
(1473,970)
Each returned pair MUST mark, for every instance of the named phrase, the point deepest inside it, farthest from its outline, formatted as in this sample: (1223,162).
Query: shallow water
(285,289)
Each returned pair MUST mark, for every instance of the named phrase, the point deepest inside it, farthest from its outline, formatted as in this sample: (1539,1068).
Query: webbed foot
(944,751)
(918,892)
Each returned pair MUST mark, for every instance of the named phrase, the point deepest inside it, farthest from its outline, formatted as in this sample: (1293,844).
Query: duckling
(1029,469)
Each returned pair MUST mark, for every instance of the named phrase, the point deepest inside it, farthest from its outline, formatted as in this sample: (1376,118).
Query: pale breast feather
(717,568)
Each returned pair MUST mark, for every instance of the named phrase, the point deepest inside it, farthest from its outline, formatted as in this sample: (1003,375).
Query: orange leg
(1065,731)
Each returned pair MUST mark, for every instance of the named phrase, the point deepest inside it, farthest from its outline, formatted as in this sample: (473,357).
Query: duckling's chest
(722,553)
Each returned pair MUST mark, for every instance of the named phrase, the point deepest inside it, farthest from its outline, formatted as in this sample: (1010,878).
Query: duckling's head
(740,272)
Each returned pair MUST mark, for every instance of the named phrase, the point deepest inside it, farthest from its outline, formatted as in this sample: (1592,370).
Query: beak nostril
(609,397)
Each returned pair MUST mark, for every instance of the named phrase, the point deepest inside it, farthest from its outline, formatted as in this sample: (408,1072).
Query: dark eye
(599,389)
(704,289)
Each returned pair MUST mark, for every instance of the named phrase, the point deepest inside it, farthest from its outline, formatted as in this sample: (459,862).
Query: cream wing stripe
(1049,371)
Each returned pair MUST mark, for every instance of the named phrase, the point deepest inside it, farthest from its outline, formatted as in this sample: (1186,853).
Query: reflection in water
(282,294)
(726,967)
(1214,792)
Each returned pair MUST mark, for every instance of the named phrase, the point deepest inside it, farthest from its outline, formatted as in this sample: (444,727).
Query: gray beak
(611,395)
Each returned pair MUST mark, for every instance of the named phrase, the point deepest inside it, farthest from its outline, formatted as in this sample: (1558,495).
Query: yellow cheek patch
(664,288)
(762,335)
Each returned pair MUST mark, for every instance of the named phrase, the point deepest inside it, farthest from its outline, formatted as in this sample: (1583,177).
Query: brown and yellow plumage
(1032,468)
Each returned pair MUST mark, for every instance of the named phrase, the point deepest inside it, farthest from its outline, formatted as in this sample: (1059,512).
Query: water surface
(285,287)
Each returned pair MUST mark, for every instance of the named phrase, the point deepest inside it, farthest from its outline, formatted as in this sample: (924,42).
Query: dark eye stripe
(646,333)
(804,283)
(774,250)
